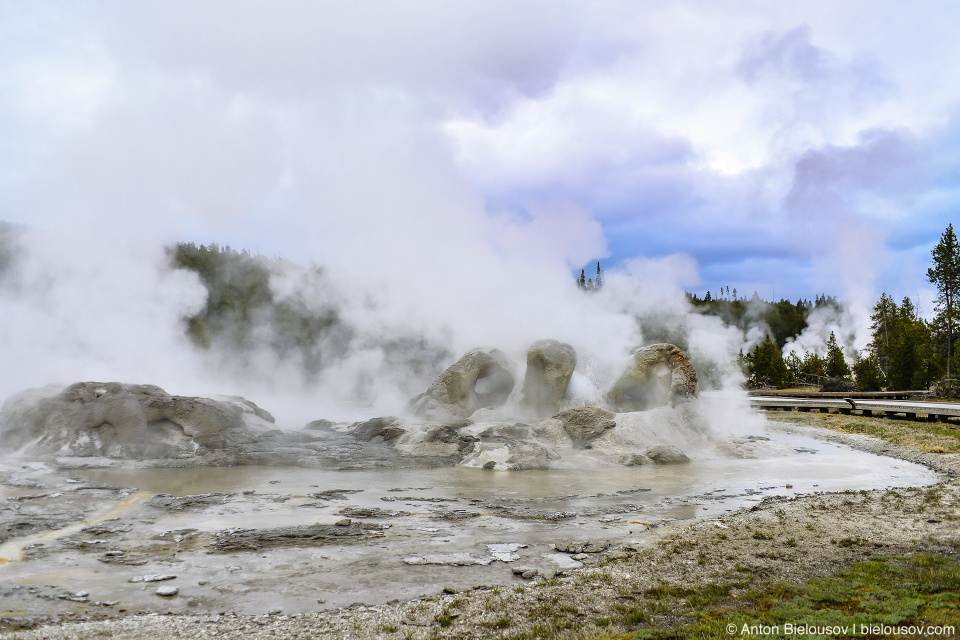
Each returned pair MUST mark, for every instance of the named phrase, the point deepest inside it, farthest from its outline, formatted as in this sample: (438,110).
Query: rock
(481,378)
(666,454)
(370,512)
(658,375)
(550,365)
(167,591)
(385,427)
(530,455)
(635,460)
(571,546)
(118,420)
(319,425)
(583,424)
(233,540)
(152,578)
(448,434)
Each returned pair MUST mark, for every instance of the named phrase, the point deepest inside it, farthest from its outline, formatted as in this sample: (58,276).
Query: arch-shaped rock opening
(658,375)
(493,386)
(481,378)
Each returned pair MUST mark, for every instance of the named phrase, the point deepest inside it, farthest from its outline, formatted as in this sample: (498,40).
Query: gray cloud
(486,149)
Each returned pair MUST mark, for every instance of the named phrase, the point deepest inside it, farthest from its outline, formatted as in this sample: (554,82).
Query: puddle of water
(615,504)
(832,468)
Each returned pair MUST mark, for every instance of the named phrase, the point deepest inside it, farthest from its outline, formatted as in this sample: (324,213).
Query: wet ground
(91,543)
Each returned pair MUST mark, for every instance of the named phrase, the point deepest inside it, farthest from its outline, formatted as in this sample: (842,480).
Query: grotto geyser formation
(482,411)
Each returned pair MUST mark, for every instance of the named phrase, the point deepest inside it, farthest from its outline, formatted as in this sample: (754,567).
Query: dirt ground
(777,540)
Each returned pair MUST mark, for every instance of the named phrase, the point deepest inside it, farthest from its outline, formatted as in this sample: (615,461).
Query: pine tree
(883,317)
(836,365)
(945,273)
(867,373)
(582,282)
(598,283)
(766,364)
(909,350)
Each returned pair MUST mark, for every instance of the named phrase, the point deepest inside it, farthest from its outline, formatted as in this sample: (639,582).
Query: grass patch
(926,436)
(918,591)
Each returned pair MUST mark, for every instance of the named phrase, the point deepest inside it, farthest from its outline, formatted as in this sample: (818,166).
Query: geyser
(481,378)
(657,375)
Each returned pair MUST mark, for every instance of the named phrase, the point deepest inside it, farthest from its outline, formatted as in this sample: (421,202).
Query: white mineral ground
(470,521)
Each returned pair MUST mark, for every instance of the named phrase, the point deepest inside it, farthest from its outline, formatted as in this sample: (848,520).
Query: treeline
(905,351)
(242,313)
(244,316)
(783,319)
(590,284)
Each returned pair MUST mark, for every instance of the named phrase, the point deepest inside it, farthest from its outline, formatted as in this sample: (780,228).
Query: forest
(906,351)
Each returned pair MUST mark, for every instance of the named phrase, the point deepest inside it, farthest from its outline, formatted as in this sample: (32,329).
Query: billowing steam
(82,309)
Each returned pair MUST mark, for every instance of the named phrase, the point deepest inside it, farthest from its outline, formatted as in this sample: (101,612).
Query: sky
(453,166)
(785,148)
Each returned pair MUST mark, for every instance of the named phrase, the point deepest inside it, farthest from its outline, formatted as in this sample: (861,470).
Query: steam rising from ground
(88,308)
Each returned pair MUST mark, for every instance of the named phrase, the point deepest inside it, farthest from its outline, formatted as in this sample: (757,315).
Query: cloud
(449,159)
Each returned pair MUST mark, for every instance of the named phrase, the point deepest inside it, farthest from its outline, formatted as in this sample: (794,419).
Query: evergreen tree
(909,350)
(868,375)
(766,364)
(793,363)
(836,365)
(945,274)
(598,283)
(582,282)
(882,319)
(813,365)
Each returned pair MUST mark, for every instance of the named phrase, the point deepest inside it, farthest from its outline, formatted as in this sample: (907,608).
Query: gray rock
(584,424)
(167,591)
(658,375)
(525,455)
(635,460)
(152,578)
(550,365)
(385,427)
(118,420)
(319,425)
(574,546)
(666,454)
(481,378)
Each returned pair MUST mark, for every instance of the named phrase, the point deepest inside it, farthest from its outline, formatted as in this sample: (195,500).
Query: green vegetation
(765,364)
(927,436)
(920,591)
(784,319)
(242,311)
(590,284)
(905,352)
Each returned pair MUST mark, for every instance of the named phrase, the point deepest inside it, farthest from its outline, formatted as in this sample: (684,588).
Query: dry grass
(932,437)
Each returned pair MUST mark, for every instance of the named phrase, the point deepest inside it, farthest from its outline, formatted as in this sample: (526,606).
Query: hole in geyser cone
(655,392)
(493,386)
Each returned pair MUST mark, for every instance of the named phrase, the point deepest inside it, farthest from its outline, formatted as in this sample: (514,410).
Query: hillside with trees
(905,351)
(244,313)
